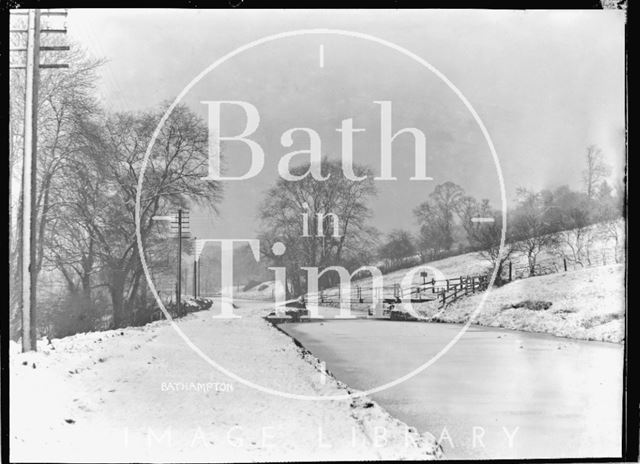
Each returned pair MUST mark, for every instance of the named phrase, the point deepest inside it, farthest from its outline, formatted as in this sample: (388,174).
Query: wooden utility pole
(32,66)
(179,296)
(179,224)
(198,281)
(29,170)
(198,246)
(195,275)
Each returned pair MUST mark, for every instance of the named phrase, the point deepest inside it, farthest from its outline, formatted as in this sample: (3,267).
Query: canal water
(496,393)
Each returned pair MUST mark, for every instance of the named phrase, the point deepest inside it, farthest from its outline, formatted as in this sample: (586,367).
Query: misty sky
(546,85)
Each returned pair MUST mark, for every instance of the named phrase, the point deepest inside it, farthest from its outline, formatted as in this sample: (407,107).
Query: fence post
(565,264)
(455,291)
(433,285)
(510,271)
(444,298)
(447,284)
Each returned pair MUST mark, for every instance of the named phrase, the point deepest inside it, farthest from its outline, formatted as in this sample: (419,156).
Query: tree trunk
(120,316)
(532,264)
(131,300)
(499,280)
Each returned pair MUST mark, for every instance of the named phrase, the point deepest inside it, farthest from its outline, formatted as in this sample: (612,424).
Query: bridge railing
(468,286)
(431,290)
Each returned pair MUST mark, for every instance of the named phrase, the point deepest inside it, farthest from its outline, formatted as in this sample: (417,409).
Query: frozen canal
(495,394)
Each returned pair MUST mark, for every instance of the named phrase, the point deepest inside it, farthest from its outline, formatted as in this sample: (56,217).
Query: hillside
(602,242)
(586,304)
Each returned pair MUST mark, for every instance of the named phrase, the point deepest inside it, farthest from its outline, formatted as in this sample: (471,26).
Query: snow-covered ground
(141,394)
(587,304)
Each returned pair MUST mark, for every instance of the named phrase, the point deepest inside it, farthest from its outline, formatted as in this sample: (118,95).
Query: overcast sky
(546,85)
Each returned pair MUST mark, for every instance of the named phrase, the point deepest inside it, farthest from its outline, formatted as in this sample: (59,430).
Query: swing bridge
(379,301)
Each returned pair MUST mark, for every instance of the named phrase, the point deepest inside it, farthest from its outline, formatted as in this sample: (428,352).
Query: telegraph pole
(198,246)
(29,165)
(179,297)
(195,275)
(29,170)
(180,222)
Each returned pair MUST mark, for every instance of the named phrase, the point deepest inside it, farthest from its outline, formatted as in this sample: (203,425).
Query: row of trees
(546,220)
(89,163)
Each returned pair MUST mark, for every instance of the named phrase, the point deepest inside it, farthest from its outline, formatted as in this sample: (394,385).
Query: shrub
(189,305)
(565,311)
(600,319)
(533,305)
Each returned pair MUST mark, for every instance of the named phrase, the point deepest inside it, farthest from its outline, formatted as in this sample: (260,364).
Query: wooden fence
(445,292)
(588,258)
(441,292)
(464,287)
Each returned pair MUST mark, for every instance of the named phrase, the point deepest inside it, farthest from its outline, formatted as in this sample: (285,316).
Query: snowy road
(546,396)
(141,394)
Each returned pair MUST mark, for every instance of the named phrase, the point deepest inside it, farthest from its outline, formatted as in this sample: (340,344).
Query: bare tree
(595,172)
(333,205)
(613,230)
(573,213)
(173,178)
(530,227)
(574,245)
(65,97)
(436,216)
(435,230)
(398,248)
(486,236)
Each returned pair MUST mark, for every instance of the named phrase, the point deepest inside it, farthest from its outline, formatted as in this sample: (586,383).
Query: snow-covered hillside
(586,304)
(605,238)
